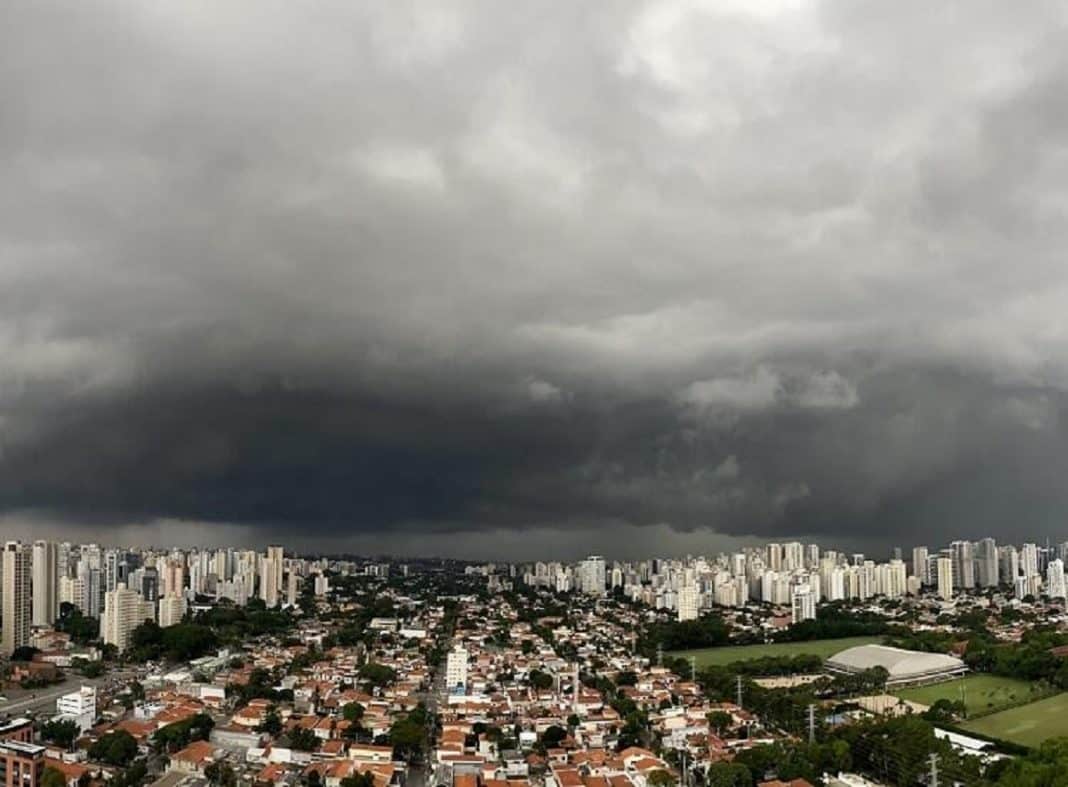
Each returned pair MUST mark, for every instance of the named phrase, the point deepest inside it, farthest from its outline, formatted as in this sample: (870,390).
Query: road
(43,701)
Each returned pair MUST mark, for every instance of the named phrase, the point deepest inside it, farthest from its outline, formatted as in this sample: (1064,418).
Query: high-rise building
(773,557)
(895,578)
(111,570)
(45,583)
(16,606)
(72,591)
(94,593)
(124,611)
(456,669)
(945,578)
(802,603)
(171,610)
(292,588)
(963,564)
(920,566)
(276,553)
(270,570)
(793,556)
(812,557)
(986,563)
(1055,579)
(592,575)
(150,584)
(174,578)
(1008,564)
(1029,560)
(688,601)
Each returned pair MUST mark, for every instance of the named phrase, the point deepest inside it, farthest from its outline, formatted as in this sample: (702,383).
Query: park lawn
(1027,725)
(824,648)
(982,693)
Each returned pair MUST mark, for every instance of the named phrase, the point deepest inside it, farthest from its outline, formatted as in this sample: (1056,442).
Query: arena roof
(904,666)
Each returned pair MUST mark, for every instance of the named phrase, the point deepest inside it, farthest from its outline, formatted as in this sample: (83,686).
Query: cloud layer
(751,268)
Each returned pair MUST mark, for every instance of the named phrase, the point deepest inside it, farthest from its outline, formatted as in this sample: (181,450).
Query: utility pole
(693,669)
(933,760)
(964,695)
(739,690)
(811,723)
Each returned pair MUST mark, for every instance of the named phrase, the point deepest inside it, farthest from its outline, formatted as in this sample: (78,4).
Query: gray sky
(506,279)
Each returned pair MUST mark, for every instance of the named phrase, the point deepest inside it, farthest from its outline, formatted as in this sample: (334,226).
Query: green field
(1027,725)
(982,693)
(824,648)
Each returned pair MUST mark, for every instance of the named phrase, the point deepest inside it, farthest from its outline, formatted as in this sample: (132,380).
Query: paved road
(44,699)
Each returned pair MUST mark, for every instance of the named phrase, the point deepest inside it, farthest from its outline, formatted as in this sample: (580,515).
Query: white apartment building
(16,607)
(921,566)
(78,706)
(592,575)
(268,588)
(689,602)
(456,669)
(72,591)
(124,610)
(1055,579)
(171,610)
(292,588)
(45,583)
(802,603)
(945,578)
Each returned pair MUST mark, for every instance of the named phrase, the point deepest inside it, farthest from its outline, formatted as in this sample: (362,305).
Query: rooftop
(899,663)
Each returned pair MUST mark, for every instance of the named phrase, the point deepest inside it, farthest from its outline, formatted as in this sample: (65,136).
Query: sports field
(1027,725)
(982,693)
(824,648)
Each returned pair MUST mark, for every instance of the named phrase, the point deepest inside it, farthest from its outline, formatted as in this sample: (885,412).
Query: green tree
(377,674)
(728,774)
(272,722)
(24,653)
(539,680)
(92,669)
(660,778)
(61,732)
(53,777)
(352,711)
(176,736)
(358,780)
(720,721)
(408,733)
(303,740)
(553,736)
(220,774)
(115,748)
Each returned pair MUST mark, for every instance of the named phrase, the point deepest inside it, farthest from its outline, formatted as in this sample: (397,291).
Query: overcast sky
(508,279)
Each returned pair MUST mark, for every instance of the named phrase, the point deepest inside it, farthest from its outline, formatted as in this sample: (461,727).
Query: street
(43,701)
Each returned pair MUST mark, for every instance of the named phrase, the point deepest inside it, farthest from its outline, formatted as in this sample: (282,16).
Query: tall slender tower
(276,553)
(45,583)
(17,609)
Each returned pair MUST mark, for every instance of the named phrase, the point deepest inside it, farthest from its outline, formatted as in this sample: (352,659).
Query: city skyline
(124,586)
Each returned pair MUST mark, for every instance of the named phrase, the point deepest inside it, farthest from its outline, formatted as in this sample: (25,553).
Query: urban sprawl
(784,664)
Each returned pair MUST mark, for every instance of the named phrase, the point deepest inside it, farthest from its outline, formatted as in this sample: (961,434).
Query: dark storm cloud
(410,269)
